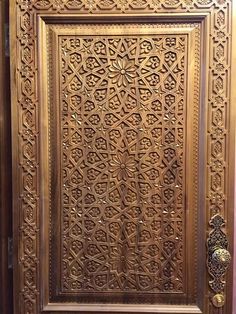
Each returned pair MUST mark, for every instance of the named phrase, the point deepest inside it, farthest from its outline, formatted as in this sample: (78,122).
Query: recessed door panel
(120,120)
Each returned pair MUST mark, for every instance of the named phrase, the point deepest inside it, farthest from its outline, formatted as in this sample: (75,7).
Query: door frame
(6,291)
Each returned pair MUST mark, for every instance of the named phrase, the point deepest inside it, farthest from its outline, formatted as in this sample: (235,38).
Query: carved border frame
(25,117)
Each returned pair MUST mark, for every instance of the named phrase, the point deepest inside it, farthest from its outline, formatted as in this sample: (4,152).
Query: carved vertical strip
(28,158)
(218,123)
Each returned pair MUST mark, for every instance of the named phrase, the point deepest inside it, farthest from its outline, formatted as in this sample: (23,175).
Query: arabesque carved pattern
(123,132)
(217,238)
(27,102)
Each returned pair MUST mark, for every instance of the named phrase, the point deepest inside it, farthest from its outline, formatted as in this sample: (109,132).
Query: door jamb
(6,295)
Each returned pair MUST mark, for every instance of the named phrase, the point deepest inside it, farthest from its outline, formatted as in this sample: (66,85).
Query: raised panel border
(44,22)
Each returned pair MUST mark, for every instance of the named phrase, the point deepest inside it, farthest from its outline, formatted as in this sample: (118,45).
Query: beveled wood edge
(123,308)
(72,18)
(44,128)
(202,220)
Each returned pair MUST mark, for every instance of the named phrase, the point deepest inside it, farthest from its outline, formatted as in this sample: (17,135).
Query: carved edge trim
(217,128)
(196,111)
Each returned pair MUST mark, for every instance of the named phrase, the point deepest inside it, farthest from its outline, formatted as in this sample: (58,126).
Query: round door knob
(218,300)
(221,257)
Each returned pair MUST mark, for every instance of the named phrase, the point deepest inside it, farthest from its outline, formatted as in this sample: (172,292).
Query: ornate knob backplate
(221,257)
(218,259)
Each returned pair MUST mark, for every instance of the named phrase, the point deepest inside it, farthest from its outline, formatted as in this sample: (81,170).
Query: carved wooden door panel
(121,155)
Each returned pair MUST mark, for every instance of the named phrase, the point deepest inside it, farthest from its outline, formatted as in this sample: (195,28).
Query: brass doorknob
(218,300)
(221,257)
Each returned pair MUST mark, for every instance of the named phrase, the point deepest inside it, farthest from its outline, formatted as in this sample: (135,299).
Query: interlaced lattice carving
(123,138)
(216,239)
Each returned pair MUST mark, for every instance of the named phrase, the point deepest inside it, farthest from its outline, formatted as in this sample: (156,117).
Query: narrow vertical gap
(6,276)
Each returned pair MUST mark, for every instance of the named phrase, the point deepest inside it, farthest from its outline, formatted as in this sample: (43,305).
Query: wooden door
(121,156)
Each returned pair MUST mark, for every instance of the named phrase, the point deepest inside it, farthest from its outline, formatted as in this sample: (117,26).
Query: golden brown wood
(120,123)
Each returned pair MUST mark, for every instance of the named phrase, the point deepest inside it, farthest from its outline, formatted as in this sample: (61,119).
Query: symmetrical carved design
(27,109)
(217,244)
(123,131)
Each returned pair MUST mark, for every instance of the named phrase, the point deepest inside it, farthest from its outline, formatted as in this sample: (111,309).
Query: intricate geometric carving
(130,163)
(27,101)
